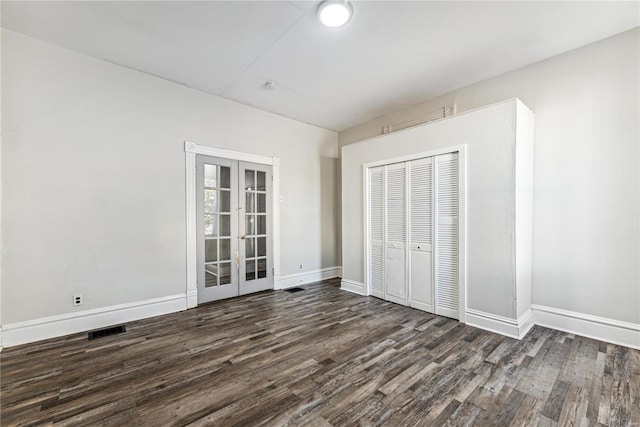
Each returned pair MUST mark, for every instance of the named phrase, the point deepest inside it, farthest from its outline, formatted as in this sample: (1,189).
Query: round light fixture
(335,13)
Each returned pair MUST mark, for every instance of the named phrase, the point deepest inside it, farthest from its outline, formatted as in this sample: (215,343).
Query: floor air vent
(292,290)
(107,331)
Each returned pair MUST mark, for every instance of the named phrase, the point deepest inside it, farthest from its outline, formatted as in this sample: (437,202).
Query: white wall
(586,232)
(93,187)
(0,186)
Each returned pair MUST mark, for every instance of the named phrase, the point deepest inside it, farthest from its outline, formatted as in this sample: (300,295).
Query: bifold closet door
(396,233)
(376,231)
(446,235)
(421,234)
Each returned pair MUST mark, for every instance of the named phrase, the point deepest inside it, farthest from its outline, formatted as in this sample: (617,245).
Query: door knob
(243,236)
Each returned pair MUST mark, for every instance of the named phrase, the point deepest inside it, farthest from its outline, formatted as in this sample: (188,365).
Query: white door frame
(191,150)
(462,218)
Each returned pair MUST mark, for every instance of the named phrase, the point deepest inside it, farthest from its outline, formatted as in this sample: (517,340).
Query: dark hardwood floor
(320,357)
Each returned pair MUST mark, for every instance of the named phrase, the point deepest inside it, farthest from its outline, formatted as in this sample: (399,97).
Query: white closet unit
(413,233)
(470,260)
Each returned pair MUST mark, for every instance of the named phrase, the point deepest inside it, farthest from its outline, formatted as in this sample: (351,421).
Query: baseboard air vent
(99,333)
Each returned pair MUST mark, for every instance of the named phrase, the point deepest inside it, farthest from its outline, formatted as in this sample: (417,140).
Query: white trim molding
(599,328)
(499,324)
(297,279)
(353,286)
(191,150)
(82,321)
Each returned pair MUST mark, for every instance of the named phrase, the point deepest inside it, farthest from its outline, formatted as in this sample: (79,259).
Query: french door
(234,228)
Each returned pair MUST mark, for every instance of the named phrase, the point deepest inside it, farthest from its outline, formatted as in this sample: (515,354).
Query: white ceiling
(392,54)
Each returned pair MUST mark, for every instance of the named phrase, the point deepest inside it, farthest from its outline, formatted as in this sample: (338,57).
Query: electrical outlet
(299,266)
(77,300)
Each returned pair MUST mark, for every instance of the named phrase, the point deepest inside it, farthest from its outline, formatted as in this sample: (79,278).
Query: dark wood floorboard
(321,357)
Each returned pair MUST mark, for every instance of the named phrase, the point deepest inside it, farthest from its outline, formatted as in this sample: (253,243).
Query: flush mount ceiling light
(335,13)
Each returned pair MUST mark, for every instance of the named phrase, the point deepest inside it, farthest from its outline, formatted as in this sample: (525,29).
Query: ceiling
(391,55)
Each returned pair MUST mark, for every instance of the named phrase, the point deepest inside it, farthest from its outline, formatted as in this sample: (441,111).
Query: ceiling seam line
(244,71)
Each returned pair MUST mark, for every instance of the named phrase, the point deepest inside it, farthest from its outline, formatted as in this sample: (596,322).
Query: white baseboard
(192,298)
(501,325)
(599,328)
(297,279)
(525,323)
(71,323)
(353,286)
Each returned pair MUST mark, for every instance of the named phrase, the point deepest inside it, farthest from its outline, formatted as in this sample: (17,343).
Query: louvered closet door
(396,233)
(421,234)
(376,231)
(446,235)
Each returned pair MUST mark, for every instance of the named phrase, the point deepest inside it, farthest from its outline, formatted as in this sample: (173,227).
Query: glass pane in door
(261,204)
(225,177)
(225,273)
(262,268)
(225,249)
(261,182)
(210,250)
(210,200)
(225,201)
(249,181)
(262,224)
(250,247)
(251,269)
(210,225)
(249,228)
(211,275)
(262,246)
(250,204)
(225,225)
(211,176)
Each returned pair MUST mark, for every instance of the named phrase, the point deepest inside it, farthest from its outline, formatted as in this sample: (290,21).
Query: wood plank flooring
(321,357)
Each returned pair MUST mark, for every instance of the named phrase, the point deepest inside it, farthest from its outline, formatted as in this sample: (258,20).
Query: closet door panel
(396,233)
(446,239)
(421,234)
(376,231)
